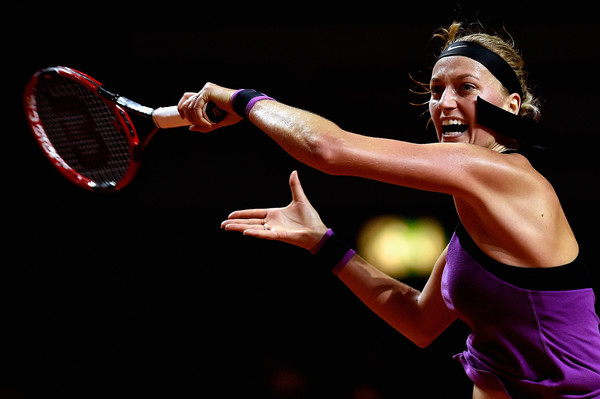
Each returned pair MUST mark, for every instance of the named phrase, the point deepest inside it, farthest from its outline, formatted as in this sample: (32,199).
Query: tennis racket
(85,130)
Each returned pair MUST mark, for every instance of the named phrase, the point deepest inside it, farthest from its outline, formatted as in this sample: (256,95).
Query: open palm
(298,223)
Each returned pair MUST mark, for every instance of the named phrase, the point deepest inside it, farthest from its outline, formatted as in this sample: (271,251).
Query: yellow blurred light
(401,246)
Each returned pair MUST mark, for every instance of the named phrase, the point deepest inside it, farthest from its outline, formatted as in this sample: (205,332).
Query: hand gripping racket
(85,130)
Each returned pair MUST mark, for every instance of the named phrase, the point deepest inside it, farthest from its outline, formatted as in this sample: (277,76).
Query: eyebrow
(459,77)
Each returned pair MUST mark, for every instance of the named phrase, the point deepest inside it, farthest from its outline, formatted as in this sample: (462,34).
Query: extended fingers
(237,224)
(249,214)
(246,219)
(251,222)
(251,227)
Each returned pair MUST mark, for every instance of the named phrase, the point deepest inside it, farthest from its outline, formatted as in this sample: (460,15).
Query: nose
(448,99)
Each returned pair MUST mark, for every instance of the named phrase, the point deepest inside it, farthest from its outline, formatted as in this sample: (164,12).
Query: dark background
(141,294)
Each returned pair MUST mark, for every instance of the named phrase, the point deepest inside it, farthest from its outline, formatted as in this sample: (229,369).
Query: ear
(514,104)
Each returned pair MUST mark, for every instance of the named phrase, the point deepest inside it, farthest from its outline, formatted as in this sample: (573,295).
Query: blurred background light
(402,246)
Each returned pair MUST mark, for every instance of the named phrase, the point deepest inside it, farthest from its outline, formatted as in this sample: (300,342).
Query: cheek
(433,110)
(432,106)
(434,114)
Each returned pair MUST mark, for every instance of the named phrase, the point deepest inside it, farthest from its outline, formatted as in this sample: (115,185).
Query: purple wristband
(338,268)
(243,100)
(253,101)
(332,252)
(324,239)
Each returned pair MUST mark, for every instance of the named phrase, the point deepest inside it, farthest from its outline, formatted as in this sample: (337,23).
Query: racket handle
(168,117)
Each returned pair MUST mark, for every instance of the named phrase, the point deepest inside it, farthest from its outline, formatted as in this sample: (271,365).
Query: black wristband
(332,252)
(243,101)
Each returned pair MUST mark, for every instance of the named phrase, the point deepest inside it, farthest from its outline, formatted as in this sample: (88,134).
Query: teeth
(451,133)
(453,126)
(452,122)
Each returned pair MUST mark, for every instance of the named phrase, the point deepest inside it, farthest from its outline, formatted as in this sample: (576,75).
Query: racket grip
(168,117)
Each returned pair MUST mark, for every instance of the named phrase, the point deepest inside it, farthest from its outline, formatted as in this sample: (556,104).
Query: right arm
(322,144)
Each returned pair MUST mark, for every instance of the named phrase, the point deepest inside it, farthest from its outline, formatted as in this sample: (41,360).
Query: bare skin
(509,209)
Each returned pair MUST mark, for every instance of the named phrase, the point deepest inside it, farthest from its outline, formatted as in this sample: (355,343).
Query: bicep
(420,316)
(438,167)
(436,316)
(431,316)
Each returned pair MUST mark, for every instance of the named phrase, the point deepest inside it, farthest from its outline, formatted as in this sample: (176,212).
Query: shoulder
(476,173)
(516,217)
(487,172)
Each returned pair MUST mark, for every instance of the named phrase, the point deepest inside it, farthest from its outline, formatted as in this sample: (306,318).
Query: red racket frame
(42,139)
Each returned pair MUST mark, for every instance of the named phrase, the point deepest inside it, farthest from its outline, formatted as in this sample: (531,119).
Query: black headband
(492,61)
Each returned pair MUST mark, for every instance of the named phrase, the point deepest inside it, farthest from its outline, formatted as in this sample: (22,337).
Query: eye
(436,90)
(467,87)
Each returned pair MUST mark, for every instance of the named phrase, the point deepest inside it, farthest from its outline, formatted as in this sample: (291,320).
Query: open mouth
(453,126)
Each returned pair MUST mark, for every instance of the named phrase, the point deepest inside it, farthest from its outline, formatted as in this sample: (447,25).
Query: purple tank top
(534,332)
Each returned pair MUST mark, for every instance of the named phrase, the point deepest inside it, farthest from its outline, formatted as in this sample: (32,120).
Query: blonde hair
(504,48)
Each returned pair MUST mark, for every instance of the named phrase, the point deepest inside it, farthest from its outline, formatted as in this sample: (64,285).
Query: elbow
(327,153)
(426,334)
(423,337)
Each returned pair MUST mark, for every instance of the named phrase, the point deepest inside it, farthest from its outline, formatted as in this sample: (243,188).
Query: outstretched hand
(298,223)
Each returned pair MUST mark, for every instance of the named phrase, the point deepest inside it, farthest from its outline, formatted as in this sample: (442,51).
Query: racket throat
(126,103)
(137,108)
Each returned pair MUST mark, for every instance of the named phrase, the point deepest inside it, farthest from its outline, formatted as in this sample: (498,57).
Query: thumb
(296,187)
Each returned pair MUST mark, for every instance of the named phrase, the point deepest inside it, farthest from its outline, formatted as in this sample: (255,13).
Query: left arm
(419,315)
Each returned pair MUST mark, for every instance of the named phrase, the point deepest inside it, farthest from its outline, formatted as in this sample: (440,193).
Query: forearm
(323,145)
(310,138)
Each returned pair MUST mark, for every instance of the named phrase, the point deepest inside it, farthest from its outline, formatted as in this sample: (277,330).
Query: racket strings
(83,129)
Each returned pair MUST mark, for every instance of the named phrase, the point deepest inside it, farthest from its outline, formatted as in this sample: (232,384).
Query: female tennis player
(512,269)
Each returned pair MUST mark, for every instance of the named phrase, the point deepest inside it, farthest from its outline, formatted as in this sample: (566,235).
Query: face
(456,82)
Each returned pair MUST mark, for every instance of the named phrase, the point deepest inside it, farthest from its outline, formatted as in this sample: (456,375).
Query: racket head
(88,138)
